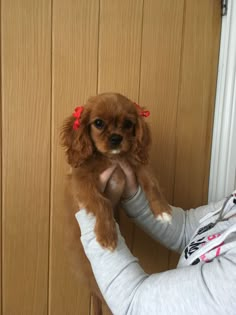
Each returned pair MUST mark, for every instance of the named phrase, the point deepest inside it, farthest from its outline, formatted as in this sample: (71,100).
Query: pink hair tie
(144,113)
(77,114)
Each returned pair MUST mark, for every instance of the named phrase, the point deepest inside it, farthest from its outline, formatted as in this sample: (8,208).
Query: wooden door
(54,55)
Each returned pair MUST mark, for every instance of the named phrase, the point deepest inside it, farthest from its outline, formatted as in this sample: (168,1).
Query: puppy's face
(113,124)
(110,124)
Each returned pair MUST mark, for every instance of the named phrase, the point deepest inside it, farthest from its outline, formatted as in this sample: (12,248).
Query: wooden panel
(26,41)
(196,101)
(0,170)
(94,309)
(119,59)
(119,46)
(160,68)
(75,42)
(1,224)
(142,48)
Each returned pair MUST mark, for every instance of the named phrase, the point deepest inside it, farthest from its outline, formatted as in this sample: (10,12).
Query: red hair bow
(77,113)
(144,113)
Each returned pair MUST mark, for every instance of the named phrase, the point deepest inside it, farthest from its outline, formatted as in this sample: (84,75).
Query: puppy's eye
(98,123)
(127,124)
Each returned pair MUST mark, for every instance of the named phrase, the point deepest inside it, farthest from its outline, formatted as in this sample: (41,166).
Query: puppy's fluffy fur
(111,128)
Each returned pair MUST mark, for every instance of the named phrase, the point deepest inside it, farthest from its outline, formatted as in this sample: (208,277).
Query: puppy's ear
(142,140)
(77,142)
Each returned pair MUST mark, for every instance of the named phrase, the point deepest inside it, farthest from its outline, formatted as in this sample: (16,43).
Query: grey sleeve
(174,235)
(128,290)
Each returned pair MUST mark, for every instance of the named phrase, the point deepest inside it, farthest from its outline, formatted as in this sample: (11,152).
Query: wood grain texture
(160,69)
(26,96)
(95,310)
(196,101)
(1,223)
(74,54)
(120,46)
(54,55)
(119,59)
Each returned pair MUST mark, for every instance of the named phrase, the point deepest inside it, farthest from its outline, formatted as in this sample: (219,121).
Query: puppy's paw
(107,237)
(162,211)
(164,217)
(107,242)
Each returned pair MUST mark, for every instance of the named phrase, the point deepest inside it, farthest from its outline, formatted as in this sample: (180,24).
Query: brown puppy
(107,129)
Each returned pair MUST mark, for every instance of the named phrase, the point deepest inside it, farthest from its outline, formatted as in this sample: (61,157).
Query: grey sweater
(204,282)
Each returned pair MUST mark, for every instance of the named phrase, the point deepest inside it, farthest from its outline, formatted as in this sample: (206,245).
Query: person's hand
(117,182)
(104,185)
(112,183)
(127,186)
(131,184)
(105,177)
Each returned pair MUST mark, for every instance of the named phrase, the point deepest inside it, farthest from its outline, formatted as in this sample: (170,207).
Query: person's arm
(202,289)
(175,234)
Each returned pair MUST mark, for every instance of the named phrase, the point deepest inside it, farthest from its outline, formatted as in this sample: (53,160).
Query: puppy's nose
(115,139)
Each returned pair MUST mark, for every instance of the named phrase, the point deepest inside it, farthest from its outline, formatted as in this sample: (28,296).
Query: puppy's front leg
(159,205)
(157,201)
(105,228)
(101,207)
(86,188)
